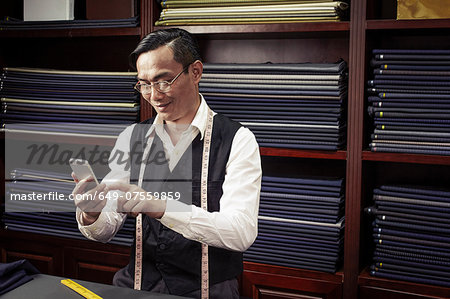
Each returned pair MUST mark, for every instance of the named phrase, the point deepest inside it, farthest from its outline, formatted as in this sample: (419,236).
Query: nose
(155,95)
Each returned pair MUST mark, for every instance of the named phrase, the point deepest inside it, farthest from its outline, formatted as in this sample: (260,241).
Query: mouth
(161,107)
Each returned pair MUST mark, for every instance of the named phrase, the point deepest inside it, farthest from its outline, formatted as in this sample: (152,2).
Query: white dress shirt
(233,227)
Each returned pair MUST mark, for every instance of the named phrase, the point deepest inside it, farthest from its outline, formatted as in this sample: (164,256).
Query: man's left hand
(135,200)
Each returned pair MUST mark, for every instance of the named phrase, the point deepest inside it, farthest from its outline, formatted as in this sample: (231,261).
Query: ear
(197,70)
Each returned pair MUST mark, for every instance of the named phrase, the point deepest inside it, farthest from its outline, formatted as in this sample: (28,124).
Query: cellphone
(82,170)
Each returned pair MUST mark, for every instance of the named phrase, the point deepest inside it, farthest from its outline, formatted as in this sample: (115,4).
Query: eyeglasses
(161,86)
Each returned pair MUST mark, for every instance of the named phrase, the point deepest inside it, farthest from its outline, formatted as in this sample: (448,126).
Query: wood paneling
(93,265)
(265,281)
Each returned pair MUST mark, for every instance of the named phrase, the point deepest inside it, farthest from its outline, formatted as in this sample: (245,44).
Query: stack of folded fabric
(14,24)
(15,274)
(38,202)
(285,105)
(58,99)
(301,223)
(412,234)
(204,12)
(410,101)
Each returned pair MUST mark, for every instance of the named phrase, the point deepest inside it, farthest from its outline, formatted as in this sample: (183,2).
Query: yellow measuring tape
(80,289)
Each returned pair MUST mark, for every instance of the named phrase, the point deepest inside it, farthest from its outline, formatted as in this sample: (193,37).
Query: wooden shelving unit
(372,24)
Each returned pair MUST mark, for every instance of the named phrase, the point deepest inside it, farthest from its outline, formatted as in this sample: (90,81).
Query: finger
(99,192)
(98,189)
(120,186)
(130,206)
(81,186)
(87,203)
(76,180)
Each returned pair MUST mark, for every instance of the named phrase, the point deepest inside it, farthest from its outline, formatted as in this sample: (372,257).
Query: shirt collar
(198,122)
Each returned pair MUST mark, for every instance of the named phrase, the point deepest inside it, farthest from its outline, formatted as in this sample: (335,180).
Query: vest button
(162,246)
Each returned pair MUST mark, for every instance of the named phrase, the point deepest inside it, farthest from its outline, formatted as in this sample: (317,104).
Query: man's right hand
(90,202)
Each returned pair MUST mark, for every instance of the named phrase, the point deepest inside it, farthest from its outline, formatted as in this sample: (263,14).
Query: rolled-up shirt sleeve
(235,226)
(110,221)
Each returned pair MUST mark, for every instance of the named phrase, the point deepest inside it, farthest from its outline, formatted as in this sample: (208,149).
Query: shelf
(408,24)
(405,158)
(337,277)
(265,30)
(397,286)
(295,153)
(78,32)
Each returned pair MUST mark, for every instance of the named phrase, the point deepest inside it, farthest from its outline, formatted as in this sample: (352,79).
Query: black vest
(166,253)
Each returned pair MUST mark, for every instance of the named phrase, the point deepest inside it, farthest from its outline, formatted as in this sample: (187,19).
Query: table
(48,286)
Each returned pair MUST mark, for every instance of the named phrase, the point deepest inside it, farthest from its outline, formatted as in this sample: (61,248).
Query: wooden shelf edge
(405,158)
(277,28)
(366,280)
(337,277)
(295,153)
(407,24)
(76,32)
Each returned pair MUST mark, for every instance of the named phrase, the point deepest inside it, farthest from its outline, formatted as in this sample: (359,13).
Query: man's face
(181,102)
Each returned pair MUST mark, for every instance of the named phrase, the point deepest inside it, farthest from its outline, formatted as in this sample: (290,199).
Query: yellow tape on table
(80,289)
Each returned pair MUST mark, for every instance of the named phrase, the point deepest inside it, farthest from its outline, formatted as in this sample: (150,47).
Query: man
(169,70)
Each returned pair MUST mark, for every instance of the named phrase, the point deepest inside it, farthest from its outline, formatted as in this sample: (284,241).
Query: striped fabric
(409,101)
(298,106)
(411,230)
(301,223)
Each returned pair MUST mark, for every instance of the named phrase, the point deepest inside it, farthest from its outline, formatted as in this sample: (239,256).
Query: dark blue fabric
(212,100)
(411,77)
(380,82)
(399,250)
(399,138)
(66,127)
(410,151)
(413,128)
(288,68)
(438,210)
(427,190)
(14,274)
(439,274)
(411,51)
(414,240)
(408,214)
(438,265)
(413,56)
(409,277)
(416,235)
(415,67)
(272,92)
(399,95)
(409,193)
(436,215)
(408,72)
(70,24)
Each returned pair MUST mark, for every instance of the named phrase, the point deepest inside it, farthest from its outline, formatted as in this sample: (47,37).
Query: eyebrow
(156,78)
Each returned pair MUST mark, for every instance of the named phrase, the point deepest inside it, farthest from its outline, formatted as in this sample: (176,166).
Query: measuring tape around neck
(204,202)
(138,249)
(204,206)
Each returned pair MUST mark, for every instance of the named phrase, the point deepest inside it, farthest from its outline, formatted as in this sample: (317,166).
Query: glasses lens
(163,86)
(143,88)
